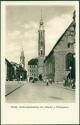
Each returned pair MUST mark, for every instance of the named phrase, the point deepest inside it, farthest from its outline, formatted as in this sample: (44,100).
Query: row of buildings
(16,71)
(59,64)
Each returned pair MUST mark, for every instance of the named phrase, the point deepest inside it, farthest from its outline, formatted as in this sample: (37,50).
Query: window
(41,52)
(69,60)
(70,64)
(51,67)
(68,45)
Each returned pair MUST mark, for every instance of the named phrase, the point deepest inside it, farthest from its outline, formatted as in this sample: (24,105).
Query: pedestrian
(47,82)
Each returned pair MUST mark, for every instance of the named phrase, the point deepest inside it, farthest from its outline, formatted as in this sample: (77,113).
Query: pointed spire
(22,49)
(41,13)
(22,52)
(22,58)
(41,20)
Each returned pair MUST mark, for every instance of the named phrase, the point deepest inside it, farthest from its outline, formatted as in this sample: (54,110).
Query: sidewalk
(60,85)
(12,86)
(65,87)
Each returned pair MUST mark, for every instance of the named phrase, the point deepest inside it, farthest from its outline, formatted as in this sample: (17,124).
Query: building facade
(20,74)
(49,67)
(33,69)
(9,71)
(60,62)
(14,71)
(41,49)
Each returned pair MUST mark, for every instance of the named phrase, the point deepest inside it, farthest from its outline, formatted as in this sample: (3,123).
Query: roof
(48,55)
(63,34)
(15,64)
(7,61)
(33,61)
(58,41)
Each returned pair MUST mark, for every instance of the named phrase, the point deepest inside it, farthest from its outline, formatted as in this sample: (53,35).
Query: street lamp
(70,73)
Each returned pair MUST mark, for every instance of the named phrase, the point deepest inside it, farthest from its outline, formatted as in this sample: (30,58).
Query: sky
(22,25)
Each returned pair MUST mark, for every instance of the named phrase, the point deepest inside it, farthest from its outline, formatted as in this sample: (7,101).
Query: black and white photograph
(40,53)
(40,62)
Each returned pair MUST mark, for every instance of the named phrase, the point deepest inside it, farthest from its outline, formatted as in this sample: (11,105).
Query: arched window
(41,52)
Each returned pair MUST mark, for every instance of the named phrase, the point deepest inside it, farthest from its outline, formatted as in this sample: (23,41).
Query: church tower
(41,48)
(22,59)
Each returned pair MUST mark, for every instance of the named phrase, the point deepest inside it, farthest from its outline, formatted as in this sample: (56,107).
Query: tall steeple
(41,38)
(41,46)
(22,59)
(41,27)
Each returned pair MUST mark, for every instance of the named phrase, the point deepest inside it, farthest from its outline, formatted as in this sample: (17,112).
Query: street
(40,93)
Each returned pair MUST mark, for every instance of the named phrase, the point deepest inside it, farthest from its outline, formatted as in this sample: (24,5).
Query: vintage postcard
(40,62)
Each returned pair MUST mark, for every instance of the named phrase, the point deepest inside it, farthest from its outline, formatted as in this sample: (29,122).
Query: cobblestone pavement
(41,93)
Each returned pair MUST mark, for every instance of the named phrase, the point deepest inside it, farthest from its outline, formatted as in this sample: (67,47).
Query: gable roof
(8,61)
(33,61)
(58,41)
(63,34)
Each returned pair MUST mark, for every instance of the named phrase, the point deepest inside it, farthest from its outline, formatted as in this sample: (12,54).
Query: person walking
(47,82)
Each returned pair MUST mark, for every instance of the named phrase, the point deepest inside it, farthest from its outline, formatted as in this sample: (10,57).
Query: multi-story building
(14,71)
(41,49)
(33,69)
(19,72)
(60,63)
